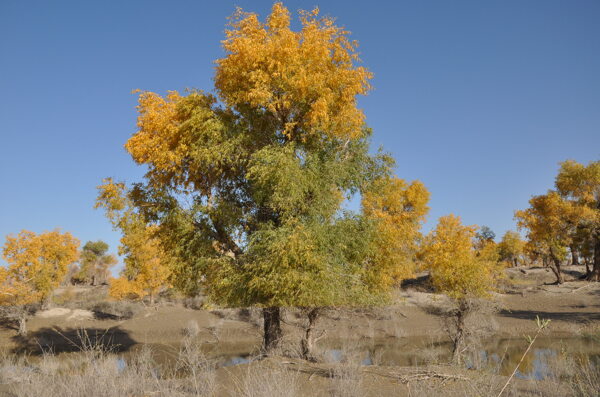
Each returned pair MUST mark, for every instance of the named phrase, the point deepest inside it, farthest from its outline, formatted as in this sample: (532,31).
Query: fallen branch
(428,374)
(580,288)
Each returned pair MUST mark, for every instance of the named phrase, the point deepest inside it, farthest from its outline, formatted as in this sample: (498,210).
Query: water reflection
(237,360)
(498,355)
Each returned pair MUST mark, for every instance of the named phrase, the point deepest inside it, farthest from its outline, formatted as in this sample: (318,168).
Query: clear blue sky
(478,99)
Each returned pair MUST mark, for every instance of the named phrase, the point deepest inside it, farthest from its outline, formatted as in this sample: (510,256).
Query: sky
(480,100)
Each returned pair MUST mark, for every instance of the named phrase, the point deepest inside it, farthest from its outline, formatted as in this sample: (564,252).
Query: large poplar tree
(247,187)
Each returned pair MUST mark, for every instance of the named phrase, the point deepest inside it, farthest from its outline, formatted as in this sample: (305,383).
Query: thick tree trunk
(574,256)
(307,345)
(23,326)
(272,328)
(595,274)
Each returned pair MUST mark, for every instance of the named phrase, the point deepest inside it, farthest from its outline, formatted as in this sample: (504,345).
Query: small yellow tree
(36,266)
(459,270)
(147,267)
(511,248)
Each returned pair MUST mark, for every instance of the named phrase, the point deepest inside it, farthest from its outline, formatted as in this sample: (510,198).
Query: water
(236,360)
(500,355)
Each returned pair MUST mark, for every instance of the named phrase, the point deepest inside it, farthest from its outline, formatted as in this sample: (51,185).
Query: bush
(194,303)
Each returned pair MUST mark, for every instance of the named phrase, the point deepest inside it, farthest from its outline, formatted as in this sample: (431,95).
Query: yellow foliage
(146,263)
(36,265)
(511,248)
(550,221)
(158,129)
(122,288)
(398,209)
(580,182)
(457,269)
(306,81)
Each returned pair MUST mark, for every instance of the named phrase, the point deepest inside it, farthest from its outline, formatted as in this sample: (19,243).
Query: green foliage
(247,190)
(485,234)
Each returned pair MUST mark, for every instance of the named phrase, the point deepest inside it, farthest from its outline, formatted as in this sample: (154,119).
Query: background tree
(247,188)
(37,263)
(580,185)
(94,264)
(398,211)
(511,248)
(458,270)
(550,221)
(485,234)
(147,266)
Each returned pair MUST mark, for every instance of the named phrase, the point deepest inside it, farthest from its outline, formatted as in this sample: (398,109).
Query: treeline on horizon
(242,200)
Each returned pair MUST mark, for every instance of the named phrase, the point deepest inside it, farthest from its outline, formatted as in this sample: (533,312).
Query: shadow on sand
(60,340)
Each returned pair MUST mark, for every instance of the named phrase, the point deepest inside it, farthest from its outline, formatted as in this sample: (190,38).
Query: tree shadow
(61,340)
(577,317)
(576,274)
(420,283)
(9,324)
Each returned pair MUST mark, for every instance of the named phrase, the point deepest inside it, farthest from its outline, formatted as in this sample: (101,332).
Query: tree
(549,221)
(36,266)
(398,210)
(511,248)
(94,264)
(147,266)
(458,270)
(246,189)
(580,185)
(485,234)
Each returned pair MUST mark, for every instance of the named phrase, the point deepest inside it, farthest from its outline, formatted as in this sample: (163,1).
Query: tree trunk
(574,257)
(546,261)
(588,269)
(307,345)
(458,339)
(22,326)
(272,328)
(595,275)
(557,272)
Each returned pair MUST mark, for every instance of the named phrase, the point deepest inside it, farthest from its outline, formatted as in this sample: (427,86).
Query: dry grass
(258,381)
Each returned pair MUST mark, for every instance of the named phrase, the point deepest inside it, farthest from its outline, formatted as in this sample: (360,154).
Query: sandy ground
(573,307)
